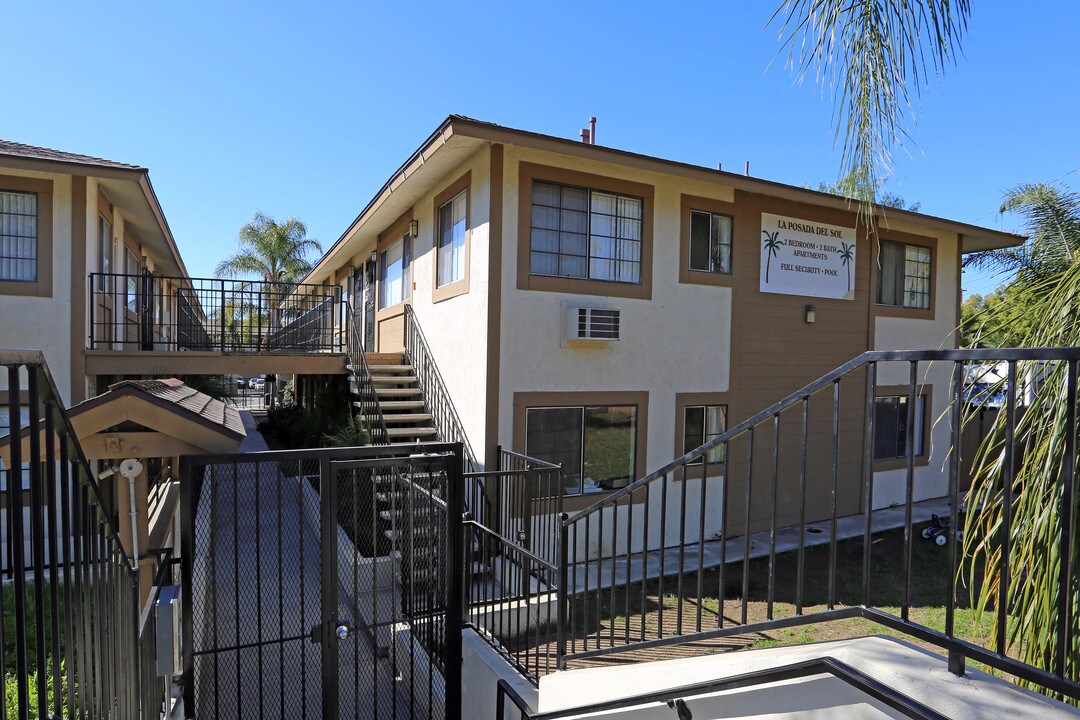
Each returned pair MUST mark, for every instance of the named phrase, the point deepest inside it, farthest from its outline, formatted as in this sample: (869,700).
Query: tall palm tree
(1047,288)
(877,54)
(275,252)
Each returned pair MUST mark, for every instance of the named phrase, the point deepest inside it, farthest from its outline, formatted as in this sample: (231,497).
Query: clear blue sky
(306,108)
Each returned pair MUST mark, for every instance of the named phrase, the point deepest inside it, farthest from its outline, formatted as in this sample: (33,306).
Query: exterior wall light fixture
(374,257)
(414,228)
(811,313)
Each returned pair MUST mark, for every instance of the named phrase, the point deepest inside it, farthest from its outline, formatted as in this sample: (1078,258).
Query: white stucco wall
(457,328)
(41,323)
(679,341)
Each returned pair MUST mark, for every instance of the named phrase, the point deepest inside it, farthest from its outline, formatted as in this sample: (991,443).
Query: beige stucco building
(502,240)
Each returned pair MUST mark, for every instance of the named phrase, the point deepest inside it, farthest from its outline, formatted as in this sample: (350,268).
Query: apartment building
(610,311)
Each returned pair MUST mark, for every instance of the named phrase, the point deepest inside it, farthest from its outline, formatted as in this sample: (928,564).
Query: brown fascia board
(421,155)
(498,134)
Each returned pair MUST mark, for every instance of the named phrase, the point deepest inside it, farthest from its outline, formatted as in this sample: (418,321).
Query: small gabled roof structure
(151,418)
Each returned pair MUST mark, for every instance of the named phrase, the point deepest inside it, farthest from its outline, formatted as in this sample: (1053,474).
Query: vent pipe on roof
(719,166)
(592,130)
(585,135)
(746,170)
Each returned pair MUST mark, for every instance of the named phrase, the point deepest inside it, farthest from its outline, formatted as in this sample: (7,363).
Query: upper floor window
(587,234)
(904,280)
(394,274)
(18,236)
(710,242)
(452,227)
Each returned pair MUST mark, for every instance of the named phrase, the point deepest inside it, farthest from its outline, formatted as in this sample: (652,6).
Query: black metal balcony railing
(152,312)
(74,645)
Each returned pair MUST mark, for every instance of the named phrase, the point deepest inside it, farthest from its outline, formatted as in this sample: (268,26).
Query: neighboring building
(64,216)
(610,311)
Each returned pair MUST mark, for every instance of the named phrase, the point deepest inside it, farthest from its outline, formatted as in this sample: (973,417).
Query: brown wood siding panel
(774,353)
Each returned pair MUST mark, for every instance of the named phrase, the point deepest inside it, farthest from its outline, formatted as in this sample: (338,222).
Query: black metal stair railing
(633,565)
(367,405)
(74,646)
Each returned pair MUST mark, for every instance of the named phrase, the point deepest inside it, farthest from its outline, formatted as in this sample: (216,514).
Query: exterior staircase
(403,407)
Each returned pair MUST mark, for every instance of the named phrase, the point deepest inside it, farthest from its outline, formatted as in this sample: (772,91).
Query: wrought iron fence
(669,558)
(513,601)
(151,312)
(71,601)
(529,498)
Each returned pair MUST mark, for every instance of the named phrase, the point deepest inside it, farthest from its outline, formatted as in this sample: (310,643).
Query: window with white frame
(904,278)
(394,274)
(587,234)
(892,416)
(18,236)
(596,445)
(710,242)
(702,423)
(451,251)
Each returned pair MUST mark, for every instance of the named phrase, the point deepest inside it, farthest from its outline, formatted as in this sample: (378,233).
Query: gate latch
(342,632)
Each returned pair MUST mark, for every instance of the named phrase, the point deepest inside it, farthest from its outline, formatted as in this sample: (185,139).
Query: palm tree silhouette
(846,256)
(772,246)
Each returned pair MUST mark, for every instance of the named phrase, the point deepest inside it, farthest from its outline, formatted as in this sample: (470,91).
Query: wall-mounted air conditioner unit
(593,324)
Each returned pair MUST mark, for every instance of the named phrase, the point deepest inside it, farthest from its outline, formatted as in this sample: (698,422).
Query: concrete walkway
(257,592)
(708,556)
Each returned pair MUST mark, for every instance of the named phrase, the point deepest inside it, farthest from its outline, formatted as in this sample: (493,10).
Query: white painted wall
(456,328)
(481,669)
(679,341)
(44,323)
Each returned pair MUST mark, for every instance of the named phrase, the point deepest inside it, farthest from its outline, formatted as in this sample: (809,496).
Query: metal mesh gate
(320,583)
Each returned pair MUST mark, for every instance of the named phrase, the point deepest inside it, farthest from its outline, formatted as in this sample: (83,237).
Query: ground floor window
(702,423)
(595,444)
(892,414)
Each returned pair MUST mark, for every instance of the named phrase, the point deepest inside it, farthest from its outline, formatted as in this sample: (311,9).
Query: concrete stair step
(411,432)
(397,392)
(391,405)
(393,379)
(405,417)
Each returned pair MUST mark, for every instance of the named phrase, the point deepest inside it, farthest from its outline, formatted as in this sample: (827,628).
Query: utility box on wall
(167,628)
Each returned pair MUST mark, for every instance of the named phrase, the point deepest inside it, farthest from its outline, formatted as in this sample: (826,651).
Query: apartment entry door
(364,306)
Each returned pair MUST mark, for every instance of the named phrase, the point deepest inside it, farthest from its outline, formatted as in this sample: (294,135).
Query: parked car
(240,382)
(257,383)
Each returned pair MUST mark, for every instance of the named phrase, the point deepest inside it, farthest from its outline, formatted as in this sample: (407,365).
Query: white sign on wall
(805,257)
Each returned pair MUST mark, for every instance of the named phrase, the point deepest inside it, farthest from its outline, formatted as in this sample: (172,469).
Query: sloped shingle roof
(175,392)
(32,152)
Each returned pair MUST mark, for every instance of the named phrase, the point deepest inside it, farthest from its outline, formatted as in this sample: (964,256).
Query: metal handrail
(369,398)
(131,311)
(88,641)
(905,704)
(612,542)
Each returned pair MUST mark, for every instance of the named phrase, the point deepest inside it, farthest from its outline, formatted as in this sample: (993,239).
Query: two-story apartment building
(610,311)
